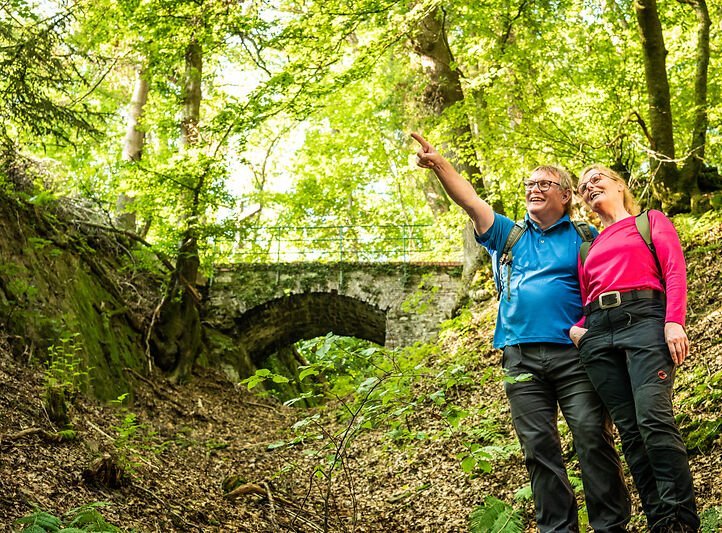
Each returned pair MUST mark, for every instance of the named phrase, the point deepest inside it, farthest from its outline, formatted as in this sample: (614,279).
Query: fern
(34,528)
(88,518)
(495,516)
(79,520)
(524,494)
(40,522)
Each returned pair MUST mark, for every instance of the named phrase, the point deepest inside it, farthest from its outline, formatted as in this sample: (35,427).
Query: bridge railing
(361,243)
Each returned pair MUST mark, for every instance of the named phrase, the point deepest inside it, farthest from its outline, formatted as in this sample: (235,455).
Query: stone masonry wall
(292,301)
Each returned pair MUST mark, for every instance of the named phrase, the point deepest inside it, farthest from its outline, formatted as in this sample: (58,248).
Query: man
(539,300)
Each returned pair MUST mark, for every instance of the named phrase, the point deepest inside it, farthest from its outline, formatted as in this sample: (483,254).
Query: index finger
(423,142)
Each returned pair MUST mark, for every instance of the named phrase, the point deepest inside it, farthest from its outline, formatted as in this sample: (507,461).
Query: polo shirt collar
(530,223)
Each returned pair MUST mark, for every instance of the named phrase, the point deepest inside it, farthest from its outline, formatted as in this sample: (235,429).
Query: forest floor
(206,456)
(190,439)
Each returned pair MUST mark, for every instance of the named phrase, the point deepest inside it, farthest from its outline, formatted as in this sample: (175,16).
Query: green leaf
(468,464)
(367,385)
(521,378)
(304,422)
(524,493)
(310,371)
(252,381)
(438,397)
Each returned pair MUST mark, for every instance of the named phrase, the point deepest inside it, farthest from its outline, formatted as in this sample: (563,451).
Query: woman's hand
(576,333)
(677,342)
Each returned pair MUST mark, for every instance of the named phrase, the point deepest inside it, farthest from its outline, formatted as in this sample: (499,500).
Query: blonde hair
(630,204)
(565,182)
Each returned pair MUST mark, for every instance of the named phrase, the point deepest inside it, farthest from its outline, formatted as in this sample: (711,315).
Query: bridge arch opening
(281,322)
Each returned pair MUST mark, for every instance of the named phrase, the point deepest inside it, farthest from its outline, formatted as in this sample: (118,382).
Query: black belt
(611,299)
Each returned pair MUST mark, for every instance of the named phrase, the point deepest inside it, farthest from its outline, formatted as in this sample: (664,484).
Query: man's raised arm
(458,189)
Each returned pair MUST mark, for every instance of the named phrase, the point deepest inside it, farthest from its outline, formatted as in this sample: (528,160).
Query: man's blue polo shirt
(544,300)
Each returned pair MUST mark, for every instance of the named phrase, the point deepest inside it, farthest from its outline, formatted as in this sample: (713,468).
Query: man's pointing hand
(427,157)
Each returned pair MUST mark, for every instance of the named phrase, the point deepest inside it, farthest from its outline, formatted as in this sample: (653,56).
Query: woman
(630,340)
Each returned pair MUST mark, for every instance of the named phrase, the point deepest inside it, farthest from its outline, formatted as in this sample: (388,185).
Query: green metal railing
(364,243)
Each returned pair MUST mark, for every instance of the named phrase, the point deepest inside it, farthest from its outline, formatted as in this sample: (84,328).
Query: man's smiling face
(549,204)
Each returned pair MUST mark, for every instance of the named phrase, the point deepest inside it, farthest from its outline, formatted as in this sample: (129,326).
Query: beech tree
(176,334)
(675,185)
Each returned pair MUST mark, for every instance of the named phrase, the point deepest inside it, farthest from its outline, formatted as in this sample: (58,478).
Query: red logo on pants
(662,374)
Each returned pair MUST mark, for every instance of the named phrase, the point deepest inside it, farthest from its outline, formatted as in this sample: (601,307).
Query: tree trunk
(134,136)
(443,91)
(664,168)
(177,335)
(132,149)
(192,94)
(693,164)
(675,189)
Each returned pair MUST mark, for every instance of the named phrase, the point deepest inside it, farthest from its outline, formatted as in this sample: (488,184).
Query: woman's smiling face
(599,190)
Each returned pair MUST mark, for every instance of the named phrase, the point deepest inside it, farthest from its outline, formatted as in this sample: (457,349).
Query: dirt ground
(192,438)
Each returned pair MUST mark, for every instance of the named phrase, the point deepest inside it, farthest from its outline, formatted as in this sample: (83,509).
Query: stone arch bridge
(254,310)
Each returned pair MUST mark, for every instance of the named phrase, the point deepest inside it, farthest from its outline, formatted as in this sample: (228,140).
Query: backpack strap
(584,250)
(641,221)
(583,230)
(587,237)
(506,257)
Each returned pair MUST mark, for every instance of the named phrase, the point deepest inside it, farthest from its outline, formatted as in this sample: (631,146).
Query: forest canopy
(299,113)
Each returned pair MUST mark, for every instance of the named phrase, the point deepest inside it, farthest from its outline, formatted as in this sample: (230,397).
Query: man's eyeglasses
(543,185)
(596,178)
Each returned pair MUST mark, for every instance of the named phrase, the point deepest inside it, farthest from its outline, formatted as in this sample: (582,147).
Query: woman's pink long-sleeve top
(619,260)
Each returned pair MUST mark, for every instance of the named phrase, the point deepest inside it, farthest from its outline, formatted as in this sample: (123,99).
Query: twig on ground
(253,488)
(264,406)
(272,517)
(47,435)
(96,428)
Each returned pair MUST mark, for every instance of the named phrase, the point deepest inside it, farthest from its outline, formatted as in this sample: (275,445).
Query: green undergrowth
(698,233)
(711,520)
(429,391)
(699,418)
(85,518)
(698,393)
